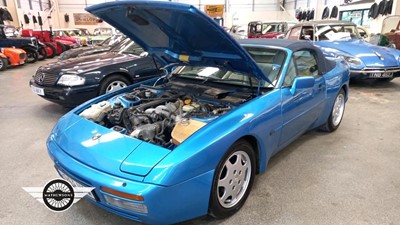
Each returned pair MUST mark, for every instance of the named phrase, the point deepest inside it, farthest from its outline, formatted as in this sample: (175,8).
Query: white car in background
(238,31)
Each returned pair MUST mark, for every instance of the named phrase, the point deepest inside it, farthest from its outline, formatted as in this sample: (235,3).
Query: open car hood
(177,33)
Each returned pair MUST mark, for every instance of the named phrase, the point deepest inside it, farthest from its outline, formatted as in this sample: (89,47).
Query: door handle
(321,86)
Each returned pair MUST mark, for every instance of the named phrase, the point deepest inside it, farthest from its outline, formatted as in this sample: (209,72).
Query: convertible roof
(324,64)
(293,45)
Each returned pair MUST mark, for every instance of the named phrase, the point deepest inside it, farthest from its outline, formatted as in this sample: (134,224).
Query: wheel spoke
(228,194)
(234,179)
(114,86)
(225,182)
(338,110)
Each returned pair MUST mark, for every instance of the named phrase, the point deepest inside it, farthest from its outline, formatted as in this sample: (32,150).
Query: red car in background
(67,34)
(54,46)
(271,29)
(391,28)
(61,36)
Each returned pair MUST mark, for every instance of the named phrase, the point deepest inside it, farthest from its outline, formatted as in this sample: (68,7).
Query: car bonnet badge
(41,78)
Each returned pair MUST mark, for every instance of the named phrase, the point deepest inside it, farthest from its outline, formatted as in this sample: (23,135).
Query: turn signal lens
(122,194)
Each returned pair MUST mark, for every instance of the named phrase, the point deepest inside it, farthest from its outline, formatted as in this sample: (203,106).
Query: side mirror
(302,83)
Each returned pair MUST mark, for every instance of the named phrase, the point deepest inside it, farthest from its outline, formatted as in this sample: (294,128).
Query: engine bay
(164,115)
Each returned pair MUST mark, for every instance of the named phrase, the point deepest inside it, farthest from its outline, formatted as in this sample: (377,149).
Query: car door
(144,68)
(301,109)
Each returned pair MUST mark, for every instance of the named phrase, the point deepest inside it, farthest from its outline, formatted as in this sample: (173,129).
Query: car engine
(152,114)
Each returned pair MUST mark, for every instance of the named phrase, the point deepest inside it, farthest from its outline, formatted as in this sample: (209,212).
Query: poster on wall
(214,10)
(85,19)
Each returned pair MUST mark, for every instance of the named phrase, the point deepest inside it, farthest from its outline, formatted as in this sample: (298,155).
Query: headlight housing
(34,41)
(78,41)
(71,80)
(352,61)
(334,53)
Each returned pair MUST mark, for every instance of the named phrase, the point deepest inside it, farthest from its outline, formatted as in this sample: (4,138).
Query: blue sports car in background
(190,143)
(340,39)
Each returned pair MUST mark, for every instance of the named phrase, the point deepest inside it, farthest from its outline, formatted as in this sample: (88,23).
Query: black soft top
(325,65)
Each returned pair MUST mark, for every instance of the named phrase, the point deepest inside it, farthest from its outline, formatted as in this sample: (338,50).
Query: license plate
(74,183)
(381,75)
(38,91)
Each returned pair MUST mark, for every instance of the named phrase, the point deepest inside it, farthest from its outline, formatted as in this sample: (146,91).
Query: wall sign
(214,10)
(85,19)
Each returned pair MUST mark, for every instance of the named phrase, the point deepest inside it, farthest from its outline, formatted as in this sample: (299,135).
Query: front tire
(52,50)
(337,112)
(3,64)
(31,55)
(42,53)
(113,83)
(233,179)
(60,48)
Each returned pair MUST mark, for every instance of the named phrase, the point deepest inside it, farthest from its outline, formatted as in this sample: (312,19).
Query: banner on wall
(85,19)
(214,10)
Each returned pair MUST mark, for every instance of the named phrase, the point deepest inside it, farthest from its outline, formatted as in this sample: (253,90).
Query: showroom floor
(351,176)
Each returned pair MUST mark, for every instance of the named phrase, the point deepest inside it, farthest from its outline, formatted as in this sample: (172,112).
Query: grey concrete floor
(351,176)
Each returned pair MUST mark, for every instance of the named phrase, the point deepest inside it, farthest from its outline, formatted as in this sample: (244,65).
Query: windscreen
(337,32)
(216,75)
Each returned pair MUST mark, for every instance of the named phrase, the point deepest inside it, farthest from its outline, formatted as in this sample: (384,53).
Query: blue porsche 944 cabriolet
(190,143)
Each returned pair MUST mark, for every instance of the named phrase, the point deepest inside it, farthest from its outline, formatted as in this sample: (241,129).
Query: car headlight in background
(334,53)
(78,41)
(352,61)
(71,80)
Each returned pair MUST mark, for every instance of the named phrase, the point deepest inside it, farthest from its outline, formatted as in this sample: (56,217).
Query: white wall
(236,11)
(12,8)
(76,6)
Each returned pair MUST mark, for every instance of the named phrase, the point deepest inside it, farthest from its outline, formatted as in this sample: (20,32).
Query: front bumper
(375,73)
(67,96)
(164,204)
